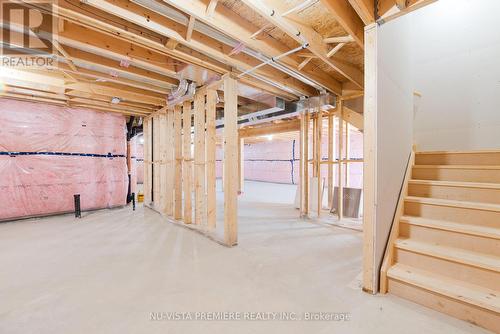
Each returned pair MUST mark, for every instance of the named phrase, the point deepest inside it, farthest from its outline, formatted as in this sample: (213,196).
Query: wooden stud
(319,134)
(330,157)
(314,145)
(190,28)
(147,160)
(163,147)
(241,164)
(156,162)
(347,152)
(178,163)
(199,159)
(340,197)
(306,162)
(230,156)
(211,147)
(301,166)
(370,158)
(187,177)
(169,164)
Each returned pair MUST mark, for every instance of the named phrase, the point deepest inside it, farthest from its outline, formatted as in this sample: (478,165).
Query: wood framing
(148,163)
(178,162)
(199,159)
(187,168)
(370,159)
(340,169)
(169,163)
(230,161)
(318,158)
(156,162)
(211,147)
(348,19)
(331,140)
(394,234)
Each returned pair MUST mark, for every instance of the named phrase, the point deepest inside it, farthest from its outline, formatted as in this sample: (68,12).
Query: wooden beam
(211,7)
(269,129)
(211,148)
(94,42)
(199,159)
(347,17)
(339,39)
(365,10)
(201,43)
(303,34)
(335,49)
(171,44)
(241,165)
(304,63)
(187,169)
(178,163)
(123,94)
(230,165)
(301,166)
(190,27)
(244,31)
(401,4)
(63,52)
(110,25)
(353,118)
(411,6)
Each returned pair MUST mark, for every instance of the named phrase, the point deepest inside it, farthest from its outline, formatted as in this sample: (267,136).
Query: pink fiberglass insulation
(136,162)
(49,153)
(278,161)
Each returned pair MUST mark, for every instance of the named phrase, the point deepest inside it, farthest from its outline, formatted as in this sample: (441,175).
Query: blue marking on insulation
(74,154)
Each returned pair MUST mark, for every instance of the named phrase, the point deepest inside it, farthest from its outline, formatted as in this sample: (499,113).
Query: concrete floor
(108,271)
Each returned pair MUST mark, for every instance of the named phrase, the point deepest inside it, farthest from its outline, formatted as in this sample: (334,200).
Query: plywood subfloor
(106,272)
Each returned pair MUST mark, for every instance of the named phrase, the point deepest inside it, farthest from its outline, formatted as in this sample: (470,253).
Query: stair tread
(493,167)
(456,289)
(478,230)
(456,184)
(454,203)
(459,152)
(458,255)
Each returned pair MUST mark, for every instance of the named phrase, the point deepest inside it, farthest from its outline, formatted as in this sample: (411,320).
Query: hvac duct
(205,29)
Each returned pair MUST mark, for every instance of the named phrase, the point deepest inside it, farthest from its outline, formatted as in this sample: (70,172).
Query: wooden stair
(444,247)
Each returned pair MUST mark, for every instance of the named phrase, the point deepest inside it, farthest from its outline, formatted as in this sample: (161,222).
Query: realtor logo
(28,32)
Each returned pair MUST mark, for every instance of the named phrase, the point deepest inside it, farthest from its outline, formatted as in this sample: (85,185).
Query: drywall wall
(49,153)
(393,124)
(448,53)
(457,71)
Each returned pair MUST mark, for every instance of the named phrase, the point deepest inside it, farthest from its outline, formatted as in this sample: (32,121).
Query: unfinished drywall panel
(457,71)
(388,123)
(50,153)
(394,122)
